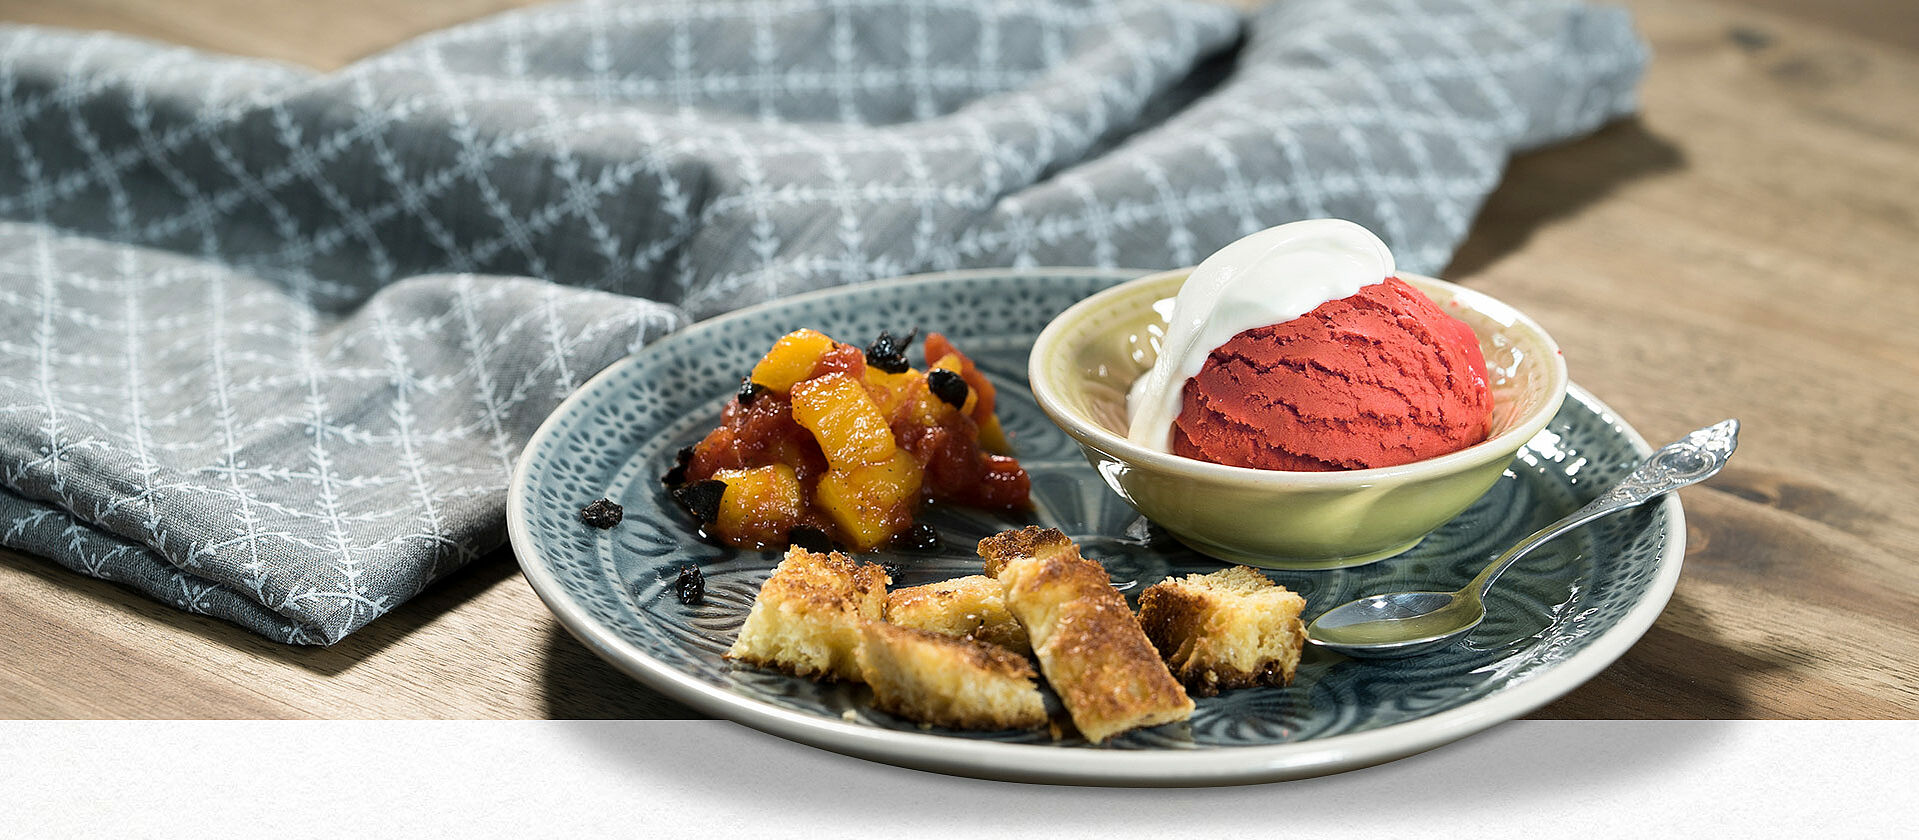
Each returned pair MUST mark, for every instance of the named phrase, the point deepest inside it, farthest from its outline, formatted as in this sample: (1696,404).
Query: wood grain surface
(1740,249)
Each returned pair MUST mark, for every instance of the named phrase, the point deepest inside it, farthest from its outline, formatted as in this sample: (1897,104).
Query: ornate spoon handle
(1689,460)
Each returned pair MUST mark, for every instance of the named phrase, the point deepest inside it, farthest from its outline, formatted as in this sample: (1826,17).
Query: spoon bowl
(1399,623)
(1408,623)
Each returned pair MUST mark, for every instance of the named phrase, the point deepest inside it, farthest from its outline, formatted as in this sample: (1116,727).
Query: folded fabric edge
(51,533)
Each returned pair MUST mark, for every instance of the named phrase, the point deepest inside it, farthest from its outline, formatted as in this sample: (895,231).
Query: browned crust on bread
(806,619)
(1030,541)
(971,607)
(1111,680)
(1230,629)
(1090,647)
(948,681)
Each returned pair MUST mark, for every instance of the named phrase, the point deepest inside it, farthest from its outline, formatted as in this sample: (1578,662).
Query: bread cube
(1232,628)
(806,619)
(946,681)
(1090,647)
(972,607)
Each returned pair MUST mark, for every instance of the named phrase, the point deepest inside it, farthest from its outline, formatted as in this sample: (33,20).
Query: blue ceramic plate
(1566,612)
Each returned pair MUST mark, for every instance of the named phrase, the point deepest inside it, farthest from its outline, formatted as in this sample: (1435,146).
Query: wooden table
(1739,250)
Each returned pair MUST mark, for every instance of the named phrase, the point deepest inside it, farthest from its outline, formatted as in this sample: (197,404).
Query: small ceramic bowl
(1085,359)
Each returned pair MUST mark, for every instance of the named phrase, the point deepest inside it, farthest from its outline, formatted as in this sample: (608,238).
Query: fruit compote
(828,442)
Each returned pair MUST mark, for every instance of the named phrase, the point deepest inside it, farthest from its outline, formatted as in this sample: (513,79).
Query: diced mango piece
(921,408)
(993,438)
(890,390)
(761,504)
(791,359)
(844,419)
(872,502)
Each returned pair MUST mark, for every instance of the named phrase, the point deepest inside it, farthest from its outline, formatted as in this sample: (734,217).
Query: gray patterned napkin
(267,345)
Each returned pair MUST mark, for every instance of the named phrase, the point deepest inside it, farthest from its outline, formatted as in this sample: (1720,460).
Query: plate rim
(1047,764)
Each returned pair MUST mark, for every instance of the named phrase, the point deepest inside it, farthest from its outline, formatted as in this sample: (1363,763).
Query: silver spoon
(1406,623)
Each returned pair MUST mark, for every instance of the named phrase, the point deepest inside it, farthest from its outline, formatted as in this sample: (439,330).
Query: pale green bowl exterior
(1084,360)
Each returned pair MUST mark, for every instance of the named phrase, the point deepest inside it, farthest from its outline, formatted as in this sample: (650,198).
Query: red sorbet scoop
(1378,379)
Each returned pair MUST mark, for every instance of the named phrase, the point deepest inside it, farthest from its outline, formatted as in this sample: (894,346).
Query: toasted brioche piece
(1090,647)
(972,607)
(806,620)
(1028,542)
(947,681)
(1232,628)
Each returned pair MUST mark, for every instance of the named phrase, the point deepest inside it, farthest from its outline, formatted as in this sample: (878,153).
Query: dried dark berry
(948,386)
(702,499)
(690,586)
(602,513)
(920,537)
(677,475)
(888,353)
(809,538)
(750,391)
